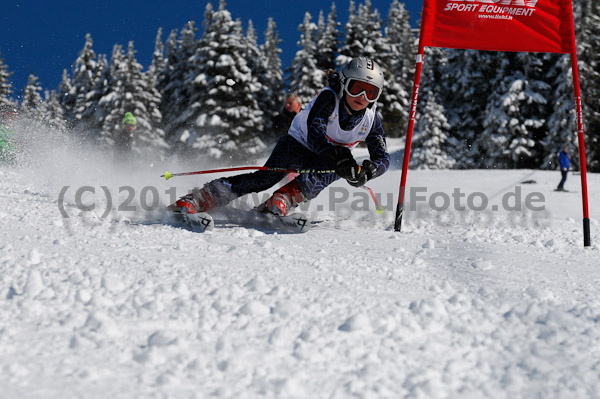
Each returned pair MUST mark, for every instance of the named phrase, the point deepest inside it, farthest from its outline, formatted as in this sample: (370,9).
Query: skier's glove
(366,172)
(345,165)
(370,169)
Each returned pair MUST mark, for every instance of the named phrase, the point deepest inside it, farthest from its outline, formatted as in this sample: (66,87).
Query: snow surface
(460,304)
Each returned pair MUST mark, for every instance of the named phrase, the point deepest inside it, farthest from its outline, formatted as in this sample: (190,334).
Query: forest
(212,88)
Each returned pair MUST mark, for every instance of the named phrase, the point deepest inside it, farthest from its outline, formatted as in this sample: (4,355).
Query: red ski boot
(212,195)
(283,200)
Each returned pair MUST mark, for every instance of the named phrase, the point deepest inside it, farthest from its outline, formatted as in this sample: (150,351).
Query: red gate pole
(582,164)
(409,131)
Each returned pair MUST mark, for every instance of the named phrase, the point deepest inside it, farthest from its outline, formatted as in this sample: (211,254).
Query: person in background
(321,137)
(124,139)
(564,162)
(283,120)
(8,116)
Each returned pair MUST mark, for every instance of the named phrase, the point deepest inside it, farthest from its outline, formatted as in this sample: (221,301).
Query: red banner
(499,25)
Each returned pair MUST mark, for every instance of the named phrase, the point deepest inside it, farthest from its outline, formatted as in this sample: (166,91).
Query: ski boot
(283,200)
(214,194)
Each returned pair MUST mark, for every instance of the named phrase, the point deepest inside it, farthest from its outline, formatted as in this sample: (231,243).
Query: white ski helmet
(364,70)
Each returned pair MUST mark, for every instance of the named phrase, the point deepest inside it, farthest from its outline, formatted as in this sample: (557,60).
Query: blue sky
(44,38)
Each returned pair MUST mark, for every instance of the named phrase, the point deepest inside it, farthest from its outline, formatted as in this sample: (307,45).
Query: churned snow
(460,304)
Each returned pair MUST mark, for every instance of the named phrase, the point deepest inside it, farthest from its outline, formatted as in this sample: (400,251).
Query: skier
(283,120)
(564,161)
(321,137)
(124,138)
(7,150)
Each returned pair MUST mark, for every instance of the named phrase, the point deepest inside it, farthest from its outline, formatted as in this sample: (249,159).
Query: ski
(196,222)
(564,191)
(202,221)
(293,223)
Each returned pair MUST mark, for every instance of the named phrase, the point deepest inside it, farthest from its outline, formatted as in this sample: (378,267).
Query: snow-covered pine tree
(429,148)
(352,41)
(364,36)
(319,33)
(430,139)
(399,58)
(156,71)
(175,95)
(252,51)
(374,44)
(562,122)
(130,91)
(52,112)
(273,78)
(305,78)
(146,99)
(222,116)
(261,77)
(159,63)
(171,54)
(90,114)
(85,69)
(515,115)
(469,79)
(111,101)
(5,86)
(66,96)
(328,40)
(32,99)
(587,28)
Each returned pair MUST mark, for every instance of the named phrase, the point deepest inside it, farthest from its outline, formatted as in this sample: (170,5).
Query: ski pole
(168,175)
(378,208)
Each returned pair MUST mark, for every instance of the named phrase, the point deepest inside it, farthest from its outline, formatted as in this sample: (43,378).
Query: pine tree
(352,43)
(374,45)
(91,114)
(319,33)
(430,136)
(52,112)
(471,75)
(364,35)
(172,85)
(222,116)
(328,40)
(130,91)
(84,71)
(430,140)
(562,123)
(5,86)
(273,77)
(66,95)
(164,77)
(399,58)
(251,50)
(587,28)
(32,99)
(306,79)
(158,65)
(516,113)
(111,101)
(156,71)
(258,68)
(143,100)
(262,80)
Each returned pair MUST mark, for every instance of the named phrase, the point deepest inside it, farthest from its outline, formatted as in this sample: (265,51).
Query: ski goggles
(355,88)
